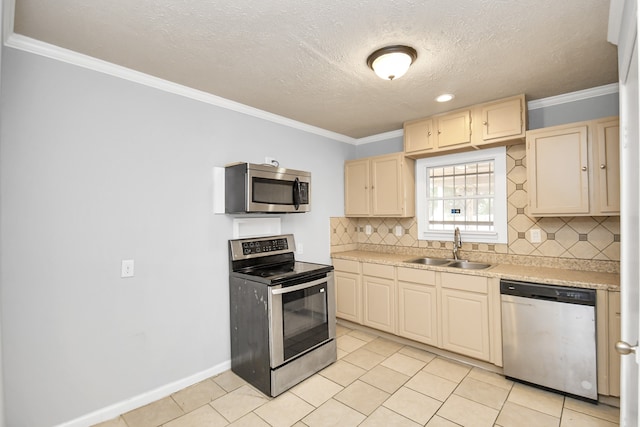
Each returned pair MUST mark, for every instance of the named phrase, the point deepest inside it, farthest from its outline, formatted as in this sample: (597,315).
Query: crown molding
(8,13)
(379,137)
(37,47)
(573,96)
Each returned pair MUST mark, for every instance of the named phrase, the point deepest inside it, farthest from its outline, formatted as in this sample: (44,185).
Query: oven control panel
(262,246)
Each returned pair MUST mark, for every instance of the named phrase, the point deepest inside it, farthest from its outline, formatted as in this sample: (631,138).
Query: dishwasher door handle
(508,301)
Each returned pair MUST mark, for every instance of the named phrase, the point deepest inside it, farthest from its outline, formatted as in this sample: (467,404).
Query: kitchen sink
(430,261)
(467,265)
(448,262)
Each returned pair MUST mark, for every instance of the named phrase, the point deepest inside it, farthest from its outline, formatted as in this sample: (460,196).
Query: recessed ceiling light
(445,97)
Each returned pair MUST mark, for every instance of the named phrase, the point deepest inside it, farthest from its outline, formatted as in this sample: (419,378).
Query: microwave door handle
(296,193)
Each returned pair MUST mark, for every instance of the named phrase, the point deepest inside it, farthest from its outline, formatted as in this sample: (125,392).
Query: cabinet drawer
(378,270)
(416,275)
(346,265)
(465,282)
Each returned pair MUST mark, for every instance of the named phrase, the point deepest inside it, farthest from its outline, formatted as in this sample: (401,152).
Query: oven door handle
(288,289)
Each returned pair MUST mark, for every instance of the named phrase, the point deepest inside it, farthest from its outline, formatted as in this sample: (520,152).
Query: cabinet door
(614,336)
(356,188)
(465,323)
(348,296)
(607,141)
(379,303)
(417,312)
(418,136)
(558,171)
(454,129)
(387,185)
(502,119)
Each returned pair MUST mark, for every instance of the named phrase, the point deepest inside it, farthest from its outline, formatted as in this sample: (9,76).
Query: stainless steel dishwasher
(549,336)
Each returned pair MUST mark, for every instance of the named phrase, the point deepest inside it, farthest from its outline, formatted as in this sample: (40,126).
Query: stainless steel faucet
(457,243)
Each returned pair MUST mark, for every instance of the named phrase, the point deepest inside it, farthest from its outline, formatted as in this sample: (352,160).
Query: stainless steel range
(282,313)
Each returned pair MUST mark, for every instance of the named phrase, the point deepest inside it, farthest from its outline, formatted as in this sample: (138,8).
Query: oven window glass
(272,191)
(305,319)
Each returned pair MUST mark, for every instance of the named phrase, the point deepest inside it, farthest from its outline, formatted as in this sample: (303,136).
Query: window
(466,190)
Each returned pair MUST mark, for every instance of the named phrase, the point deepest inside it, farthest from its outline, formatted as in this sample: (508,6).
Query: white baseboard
(140,400)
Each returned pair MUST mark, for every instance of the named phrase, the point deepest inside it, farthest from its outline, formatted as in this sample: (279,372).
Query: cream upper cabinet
(380,186)
(503,119)
(379,296)
(348,285)
(417,305)
(419,135)
(465,315)
(454,129)
(572,171)
(357,192)
(607,140)
(499,122)
(558,171)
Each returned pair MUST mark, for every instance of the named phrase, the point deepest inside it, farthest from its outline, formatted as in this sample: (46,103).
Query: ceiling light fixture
(445,97)
(392,62)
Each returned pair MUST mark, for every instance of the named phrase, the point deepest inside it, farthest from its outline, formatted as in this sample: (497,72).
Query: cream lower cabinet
(379,296)
(465,315)
(418,306)
(456,312)
(608,333)
(614,337)
(348,285)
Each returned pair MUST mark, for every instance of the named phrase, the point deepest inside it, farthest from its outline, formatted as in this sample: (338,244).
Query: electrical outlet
(299,248)
(367,230)
(127,268)
(535,235)
(271,161)
(399,231)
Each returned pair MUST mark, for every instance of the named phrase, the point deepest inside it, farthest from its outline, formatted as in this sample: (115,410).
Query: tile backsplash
(566,241)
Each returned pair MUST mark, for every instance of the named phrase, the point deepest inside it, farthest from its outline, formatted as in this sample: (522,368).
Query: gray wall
(391,145)
(577,111)
(95,169)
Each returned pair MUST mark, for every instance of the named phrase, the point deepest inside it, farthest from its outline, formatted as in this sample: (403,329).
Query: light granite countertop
(551,276)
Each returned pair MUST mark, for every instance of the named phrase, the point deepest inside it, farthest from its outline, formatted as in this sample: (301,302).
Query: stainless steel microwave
(252,188)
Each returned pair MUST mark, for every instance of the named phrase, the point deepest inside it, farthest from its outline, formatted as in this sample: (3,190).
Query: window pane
(461,195)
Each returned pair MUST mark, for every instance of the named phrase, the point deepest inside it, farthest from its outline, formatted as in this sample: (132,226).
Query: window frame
(499,156)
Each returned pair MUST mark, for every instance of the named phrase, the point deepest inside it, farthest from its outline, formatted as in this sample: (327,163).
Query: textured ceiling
(306,60)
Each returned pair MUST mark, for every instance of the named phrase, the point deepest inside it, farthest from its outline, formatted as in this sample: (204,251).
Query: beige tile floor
(375,382)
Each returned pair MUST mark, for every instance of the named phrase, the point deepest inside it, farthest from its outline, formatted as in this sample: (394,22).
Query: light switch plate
(399,231)
(127,268)
(367,230)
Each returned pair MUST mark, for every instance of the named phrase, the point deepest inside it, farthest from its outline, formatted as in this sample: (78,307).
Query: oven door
(302,317)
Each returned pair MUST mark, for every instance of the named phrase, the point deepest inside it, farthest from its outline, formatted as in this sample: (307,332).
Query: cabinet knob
(584,168)
(484,123)
(429,133)
(439,131)
(602,166)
